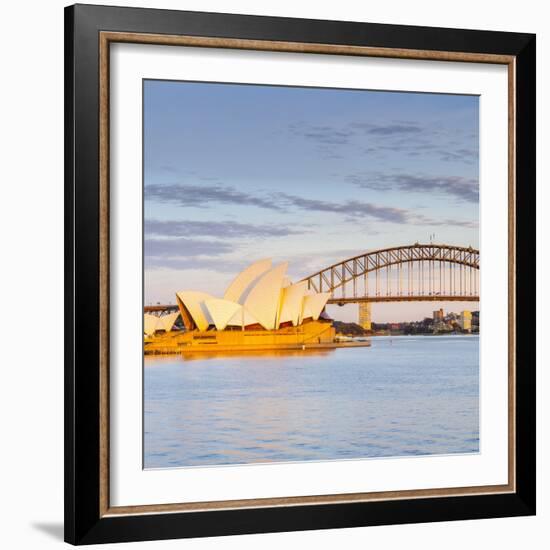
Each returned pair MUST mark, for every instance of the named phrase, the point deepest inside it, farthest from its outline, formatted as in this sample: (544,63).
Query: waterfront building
(260,310)
(438,315)
(260,297)
(465,321)
(153,324)
(475,321)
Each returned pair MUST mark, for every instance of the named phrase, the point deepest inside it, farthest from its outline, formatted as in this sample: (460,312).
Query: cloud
(324,135)
(329,152)
(168,168)
(431,148)
(460,223)
(352,209)
(405,137)
(348,208)
(358,210)
(192,263)
(390,129)
(424,220)
(184,247)
(188,195)
(201,195)
(342,135)
(466,189)
(468,156)
(328,136)
(184,253)
(222,230)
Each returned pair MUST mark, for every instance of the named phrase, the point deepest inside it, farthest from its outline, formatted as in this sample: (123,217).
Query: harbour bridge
(412,273)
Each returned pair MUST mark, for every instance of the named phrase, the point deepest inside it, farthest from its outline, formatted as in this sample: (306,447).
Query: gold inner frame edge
(108,37)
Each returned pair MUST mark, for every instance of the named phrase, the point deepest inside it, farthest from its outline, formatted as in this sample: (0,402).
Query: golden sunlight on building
(465,321)
(365,315)
(260,296)
(260,310)
(153,324)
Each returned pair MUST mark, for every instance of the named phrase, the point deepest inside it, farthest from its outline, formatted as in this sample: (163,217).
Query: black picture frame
(84,523)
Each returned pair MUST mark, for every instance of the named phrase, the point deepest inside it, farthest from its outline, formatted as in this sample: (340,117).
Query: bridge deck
(374,299)
(354,300)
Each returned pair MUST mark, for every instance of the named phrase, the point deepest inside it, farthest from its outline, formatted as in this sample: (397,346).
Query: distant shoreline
(423,334)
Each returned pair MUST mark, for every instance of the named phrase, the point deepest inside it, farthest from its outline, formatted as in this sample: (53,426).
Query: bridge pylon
(365,315)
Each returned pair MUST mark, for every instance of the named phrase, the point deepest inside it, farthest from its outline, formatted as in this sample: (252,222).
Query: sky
(234,173)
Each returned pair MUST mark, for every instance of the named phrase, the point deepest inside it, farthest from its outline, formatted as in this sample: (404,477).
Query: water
(403,396)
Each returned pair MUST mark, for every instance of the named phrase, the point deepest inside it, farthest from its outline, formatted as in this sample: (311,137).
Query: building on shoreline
(155,324)
(260,310)
(438,315)
(260,297)
(465,321)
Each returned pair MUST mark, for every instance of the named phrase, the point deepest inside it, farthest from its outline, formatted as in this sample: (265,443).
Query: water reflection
(264,354)
(408,397)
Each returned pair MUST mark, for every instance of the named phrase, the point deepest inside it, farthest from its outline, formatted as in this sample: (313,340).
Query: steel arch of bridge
(418,272)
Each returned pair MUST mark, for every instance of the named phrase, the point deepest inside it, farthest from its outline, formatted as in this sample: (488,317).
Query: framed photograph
(300,281)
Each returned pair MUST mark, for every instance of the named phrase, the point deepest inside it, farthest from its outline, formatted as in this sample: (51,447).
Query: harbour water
(403,396)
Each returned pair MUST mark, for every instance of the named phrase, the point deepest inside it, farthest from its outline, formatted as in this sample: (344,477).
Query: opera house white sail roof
(152,323)
(260,295)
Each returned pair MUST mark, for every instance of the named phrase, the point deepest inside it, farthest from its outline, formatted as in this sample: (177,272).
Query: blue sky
(234,173)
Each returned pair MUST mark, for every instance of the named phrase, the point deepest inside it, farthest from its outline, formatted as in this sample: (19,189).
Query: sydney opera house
(260,309)
(153,324)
